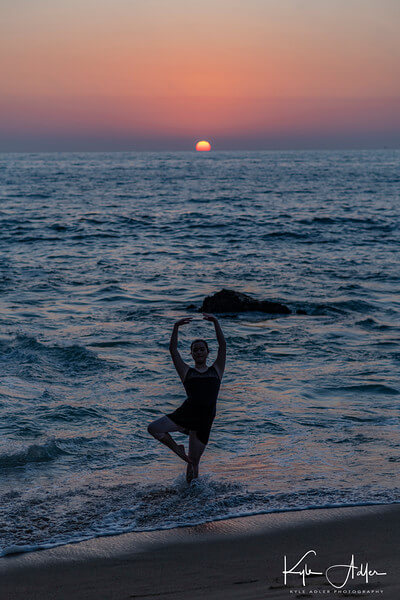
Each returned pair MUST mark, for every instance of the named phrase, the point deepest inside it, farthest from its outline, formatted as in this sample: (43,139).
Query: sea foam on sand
(240,558)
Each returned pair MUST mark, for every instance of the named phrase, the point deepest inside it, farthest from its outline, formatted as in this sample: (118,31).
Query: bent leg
(161,426)
(159,430)
(196,449)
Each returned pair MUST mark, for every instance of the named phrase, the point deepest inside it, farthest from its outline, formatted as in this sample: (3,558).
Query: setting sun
(203,146)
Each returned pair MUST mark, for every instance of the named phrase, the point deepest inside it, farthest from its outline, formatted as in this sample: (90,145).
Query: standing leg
(196,449)
(159,430)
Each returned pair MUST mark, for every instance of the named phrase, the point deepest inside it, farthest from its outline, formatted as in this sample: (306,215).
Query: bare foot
(189,472)
(180,451)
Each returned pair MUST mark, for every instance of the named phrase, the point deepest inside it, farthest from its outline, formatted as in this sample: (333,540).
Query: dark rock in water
(231,301)
(301,311)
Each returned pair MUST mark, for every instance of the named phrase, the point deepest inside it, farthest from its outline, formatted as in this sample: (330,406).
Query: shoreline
(241,557)
(143,536)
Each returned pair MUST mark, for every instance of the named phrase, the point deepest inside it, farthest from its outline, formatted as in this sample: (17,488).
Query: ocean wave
(68,413)
(343,220)
(38,195)
(336,306)
(368,388)
(60,227)
(356,440)
(27,350)
(30,238)
(91,236)
(51,450)
(365,419)
(136,220)
(286,234)
(32,454)
(371,324)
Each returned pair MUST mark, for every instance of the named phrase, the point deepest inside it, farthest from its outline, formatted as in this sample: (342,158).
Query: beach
(238,558)
(102,254)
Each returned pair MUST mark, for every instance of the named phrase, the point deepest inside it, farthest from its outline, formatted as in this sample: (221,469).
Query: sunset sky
(162,74)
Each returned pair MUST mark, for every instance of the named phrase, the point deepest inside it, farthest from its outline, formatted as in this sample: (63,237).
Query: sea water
(102,253)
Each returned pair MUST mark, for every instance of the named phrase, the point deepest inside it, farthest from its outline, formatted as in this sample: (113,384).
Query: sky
(106,75)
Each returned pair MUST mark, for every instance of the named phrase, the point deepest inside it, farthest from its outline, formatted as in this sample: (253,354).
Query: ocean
(102,253)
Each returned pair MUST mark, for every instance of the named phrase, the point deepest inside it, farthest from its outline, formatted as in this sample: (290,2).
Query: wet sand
(238,558)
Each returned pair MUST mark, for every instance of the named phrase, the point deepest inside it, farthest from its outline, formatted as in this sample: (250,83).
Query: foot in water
(189,472)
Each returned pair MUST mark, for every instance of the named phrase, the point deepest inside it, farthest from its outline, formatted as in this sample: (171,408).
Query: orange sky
(159,72)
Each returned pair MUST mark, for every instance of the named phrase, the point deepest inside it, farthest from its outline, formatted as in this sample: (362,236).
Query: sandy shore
(235,559)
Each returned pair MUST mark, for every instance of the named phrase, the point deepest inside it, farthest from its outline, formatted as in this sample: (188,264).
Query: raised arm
(181,367)
(219,364)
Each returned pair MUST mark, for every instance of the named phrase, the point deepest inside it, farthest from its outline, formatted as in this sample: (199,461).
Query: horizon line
(194,151)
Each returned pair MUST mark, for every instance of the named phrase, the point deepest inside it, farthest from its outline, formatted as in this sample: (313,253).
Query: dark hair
(199,340)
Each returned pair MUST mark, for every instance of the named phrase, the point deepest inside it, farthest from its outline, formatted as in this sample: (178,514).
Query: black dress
(198,411)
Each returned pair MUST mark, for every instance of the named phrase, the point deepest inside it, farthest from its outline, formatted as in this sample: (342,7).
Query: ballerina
(196,415)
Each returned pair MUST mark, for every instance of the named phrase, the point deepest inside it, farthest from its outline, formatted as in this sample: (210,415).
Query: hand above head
(209,317)
(183,321)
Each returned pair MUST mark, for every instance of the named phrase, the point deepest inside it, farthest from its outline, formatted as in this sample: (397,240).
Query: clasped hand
(186,320)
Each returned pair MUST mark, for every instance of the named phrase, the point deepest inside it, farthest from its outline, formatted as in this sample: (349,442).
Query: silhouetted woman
(195,416)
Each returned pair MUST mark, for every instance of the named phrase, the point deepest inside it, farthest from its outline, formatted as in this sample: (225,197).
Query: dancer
(195,416)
